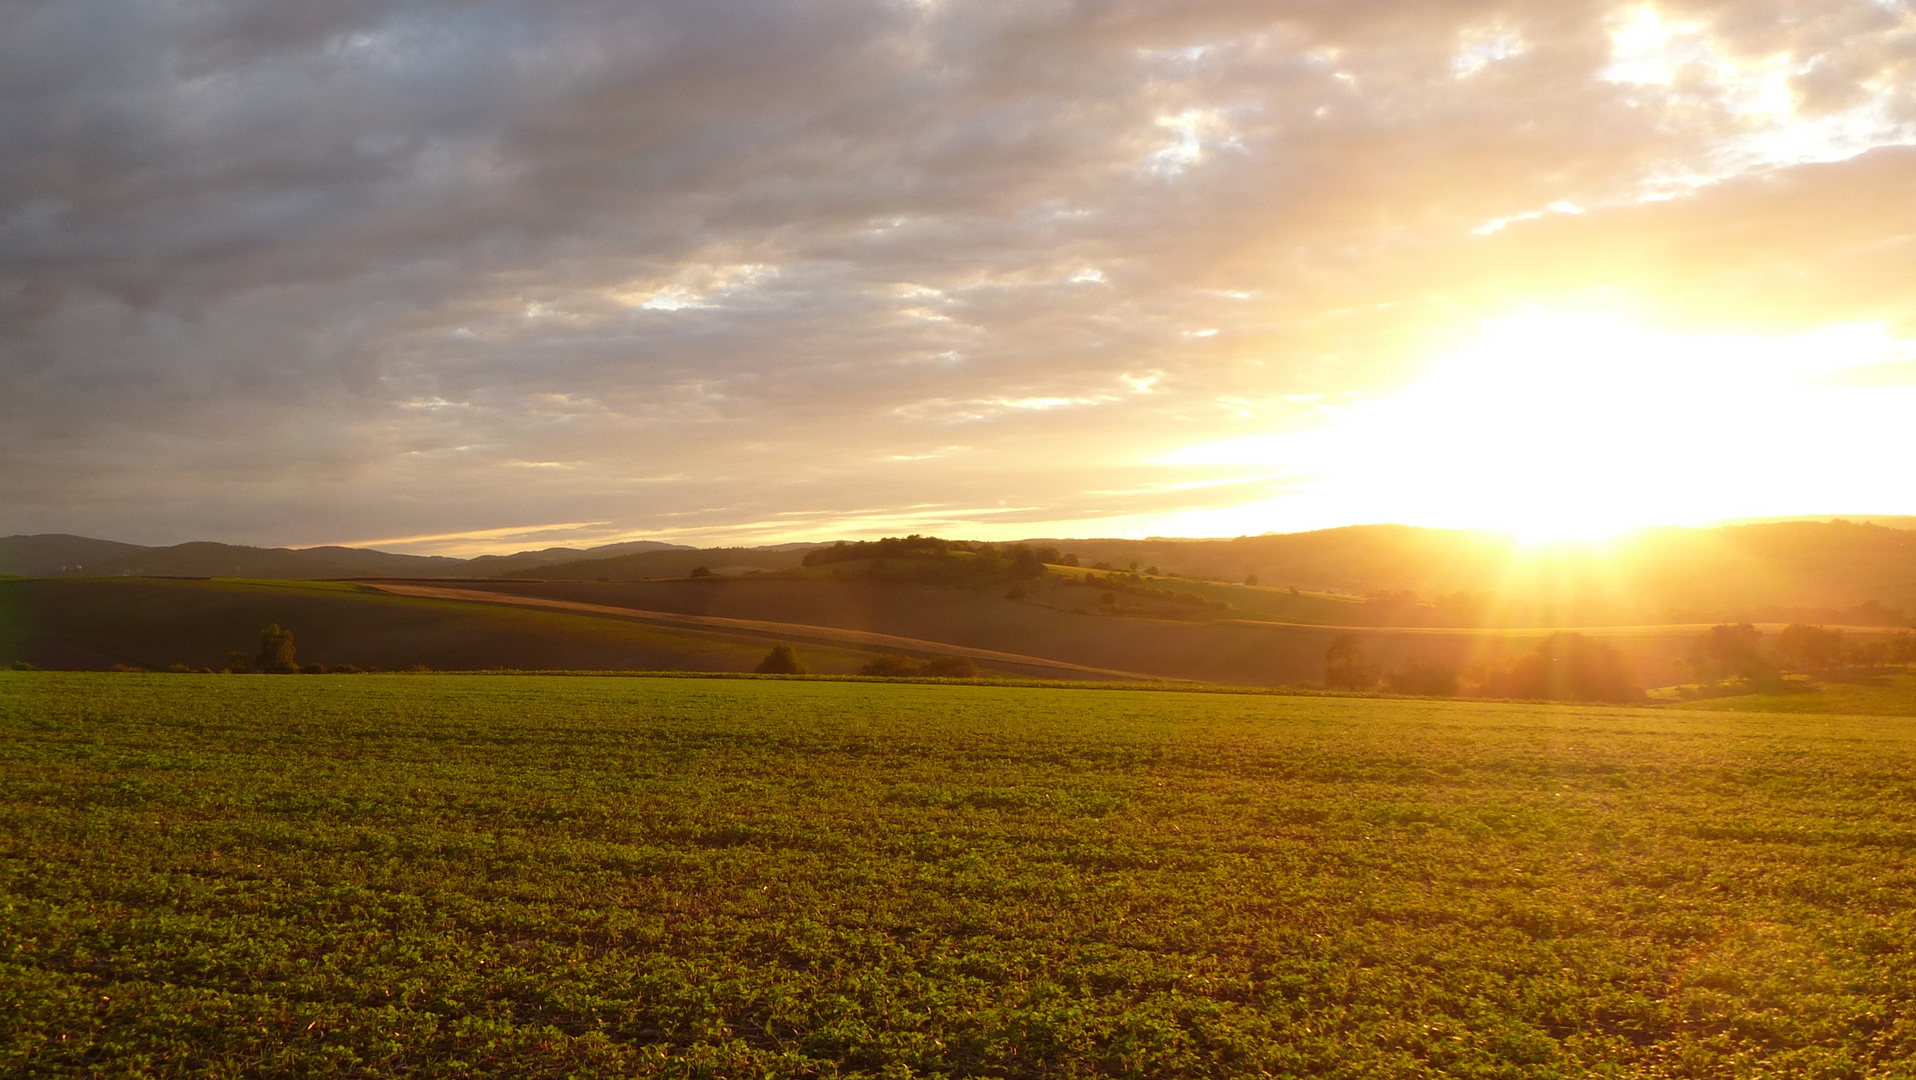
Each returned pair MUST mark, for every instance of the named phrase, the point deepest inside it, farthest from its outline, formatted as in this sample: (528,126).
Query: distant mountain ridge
(63,555)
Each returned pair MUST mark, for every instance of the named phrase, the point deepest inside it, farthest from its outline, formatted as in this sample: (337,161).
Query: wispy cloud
(277,272)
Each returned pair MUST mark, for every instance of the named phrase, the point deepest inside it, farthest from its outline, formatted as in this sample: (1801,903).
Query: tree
(1431,678)
(237,661)
(1810,648)
(782,660)
(1025,563)
(891,667)
(275,651)
(1569,667)
(1731,652)
(701,571)
(1346,667)
(949,667)
(1250,579)
(1902,648)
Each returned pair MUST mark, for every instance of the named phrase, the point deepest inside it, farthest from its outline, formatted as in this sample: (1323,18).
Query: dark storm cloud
(298,272)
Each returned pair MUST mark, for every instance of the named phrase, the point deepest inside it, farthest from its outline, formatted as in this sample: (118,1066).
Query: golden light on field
(1577,425)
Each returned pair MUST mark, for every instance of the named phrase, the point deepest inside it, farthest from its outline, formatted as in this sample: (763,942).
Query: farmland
(540,876)
(157,623)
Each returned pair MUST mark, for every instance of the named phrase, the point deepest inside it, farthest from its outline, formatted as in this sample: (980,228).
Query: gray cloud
(295,273)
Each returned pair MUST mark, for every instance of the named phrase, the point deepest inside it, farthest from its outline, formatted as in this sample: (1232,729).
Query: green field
(1862,693)
(434,875)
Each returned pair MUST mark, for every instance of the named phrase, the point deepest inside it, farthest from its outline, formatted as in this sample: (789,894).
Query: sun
(1578,426)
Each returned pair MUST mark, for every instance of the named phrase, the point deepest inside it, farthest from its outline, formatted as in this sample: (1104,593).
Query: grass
(528,876)
(1869,694)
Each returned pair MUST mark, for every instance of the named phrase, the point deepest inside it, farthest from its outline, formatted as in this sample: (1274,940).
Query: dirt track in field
(796,631)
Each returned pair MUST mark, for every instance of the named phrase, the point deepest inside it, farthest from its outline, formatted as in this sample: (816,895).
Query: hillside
(57,555)
(676,563)
(49,554)
(149,623)
(1068,623)
(1784,571)
(1837,572)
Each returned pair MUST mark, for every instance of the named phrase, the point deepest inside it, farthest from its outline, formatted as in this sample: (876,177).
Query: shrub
(701,571)
(782,660)
(891,667)
(238,662)
(949,667)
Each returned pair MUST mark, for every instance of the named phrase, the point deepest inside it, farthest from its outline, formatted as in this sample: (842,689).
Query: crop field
(80,623)
(428,875)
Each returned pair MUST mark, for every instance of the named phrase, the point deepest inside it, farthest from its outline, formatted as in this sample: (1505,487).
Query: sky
(472,276)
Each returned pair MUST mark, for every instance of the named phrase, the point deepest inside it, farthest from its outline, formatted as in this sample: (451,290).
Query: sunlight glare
(1572,426)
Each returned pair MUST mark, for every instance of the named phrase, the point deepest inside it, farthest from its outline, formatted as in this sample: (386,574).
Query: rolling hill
(159,623)
(1372,575)
(1798,571)
(59,555)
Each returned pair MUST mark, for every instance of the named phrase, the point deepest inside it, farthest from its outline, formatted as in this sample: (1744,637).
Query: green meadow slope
(404,875)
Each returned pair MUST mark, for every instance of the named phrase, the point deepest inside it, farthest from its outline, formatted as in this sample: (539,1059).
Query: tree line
(1565,666)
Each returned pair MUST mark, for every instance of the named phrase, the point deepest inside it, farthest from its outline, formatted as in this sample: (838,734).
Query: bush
(701,571)
(238,662)
(890,667)
(949,667)
(782,660)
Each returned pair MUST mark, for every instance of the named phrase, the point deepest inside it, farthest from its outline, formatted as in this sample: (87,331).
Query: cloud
(280,272)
